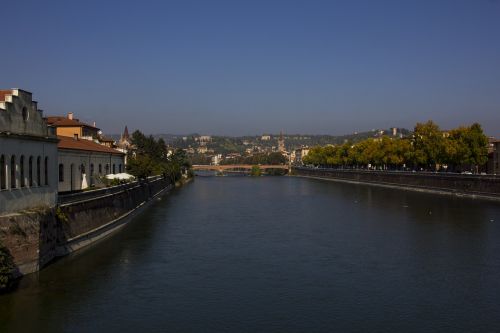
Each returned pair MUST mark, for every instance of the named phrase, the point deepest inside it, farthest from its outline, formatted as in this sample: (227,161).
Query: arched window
(38,171)
(61,172)
(46,171)
(3,182)
(25,113)
(100,169)
(71,176)
(82,172)
(91,173)
(13,180)
(107,169)
(119,168)
(114,169)
(30,171)
(21,168)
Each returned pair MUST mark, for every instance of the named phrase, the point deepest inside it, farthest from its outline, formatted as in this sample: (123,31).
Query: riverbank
(473,186)
(32,239)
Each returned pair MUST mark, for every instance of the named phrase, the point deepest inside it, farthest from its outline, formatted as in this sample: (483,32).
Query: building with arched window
(77,159)
(28,154)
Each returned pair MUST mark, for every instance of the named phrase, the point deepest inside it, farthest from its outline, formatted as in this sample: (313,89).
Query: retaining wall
(34,238)
(87,220)
(470,185)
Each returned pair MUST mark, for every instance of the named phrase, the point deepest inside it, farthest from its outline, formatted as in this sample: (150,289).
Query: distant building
(202,150)
(281,143)
(28,154)
(493,166)
(203,139)
(125,141)
(81,163)
(265,137)
(106,141)
(298,154)
(69,126)
(491,144)
(216,159)
(232,156)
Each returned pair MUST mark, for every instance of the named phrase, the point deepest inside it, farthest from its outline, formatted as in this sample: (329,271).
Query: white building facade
(82,163)
(28,155)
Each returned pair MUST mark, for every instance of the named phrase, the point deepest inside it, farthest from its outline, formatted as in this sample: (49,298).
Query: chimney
(70,115)
(94,123)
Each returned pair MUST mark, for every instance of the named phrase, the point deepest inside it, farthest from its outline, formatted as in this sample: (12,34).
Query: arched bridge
(228,167)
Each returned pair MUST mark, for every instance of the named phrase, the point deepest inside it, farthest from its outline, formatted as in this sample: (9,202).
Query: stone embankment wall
(95,216)
(469,185)
(29,238)
(34,238)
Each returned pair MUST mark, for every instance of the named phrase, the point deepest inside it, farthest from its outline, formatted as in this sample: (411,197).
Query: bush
(255,171)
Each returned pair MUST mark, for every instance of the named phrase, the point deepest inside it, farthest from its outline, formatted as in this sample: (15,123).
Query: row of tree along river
(428,148)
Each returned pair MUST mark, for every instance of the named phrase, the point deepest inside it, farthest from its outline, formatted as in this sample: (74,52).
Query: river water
(277,254)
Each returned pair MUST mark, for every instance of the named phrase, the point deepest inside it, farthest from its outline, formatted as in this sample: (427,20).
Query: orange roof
(3,93)
(66,142)
(64,121)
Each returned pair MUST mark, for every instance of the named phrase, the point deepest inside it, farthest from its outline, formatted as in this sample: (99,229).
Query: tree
(428,147)
(149,157)
(467,146)
(255,172)
(429,144)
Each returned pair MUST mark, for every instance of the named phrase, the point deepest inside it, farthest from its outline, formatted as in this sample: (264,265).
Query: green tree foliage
(149,157)
(255,172)
(428,148)
(429,144)
(467,146)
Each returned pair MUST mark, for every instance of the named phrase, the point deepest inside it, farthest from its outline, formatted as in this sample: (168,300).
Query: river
(277,254)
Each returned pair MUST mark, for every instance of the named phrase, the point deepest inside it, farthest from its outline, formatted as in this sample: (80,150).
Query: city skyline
(262,67)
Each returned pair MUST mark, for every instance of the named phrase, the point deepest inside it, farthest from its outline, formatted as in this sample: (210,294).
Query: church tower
(125,139)
(281,143)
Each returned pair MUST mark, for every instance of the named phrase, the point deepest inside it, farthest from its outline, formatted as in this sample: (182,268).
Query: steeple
(281,143)
(125,135)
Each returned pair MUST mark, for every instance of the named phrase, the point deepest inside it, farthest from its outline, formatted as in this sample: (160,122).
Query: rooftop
(82,144)
(69,121)
(3,93)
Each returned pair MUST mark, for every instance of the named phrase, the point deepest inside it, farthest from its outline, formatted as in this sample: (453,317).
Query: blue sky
(249,67)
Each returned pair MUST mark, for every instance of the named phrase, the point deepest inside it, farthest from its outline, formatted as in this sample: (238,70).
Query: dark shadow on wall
(8,270)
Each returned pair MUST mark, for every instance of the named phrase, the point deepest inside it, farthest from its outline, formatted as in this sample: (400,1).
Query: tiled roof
(106,139)
(3,93)
(65,121)
(82,144)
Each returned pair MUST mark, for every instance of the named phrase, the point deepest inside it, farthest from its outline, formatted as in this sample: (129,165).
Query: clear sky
(249,67)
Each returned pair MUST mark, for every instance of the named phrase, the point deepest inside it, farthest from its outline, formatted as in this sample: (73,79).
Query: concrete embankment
(487,187)
(32,239)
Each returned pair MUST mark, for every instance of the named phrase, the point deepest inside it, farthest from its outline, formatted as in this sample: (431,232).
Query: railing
(404,172)
(483,185)
(66,198)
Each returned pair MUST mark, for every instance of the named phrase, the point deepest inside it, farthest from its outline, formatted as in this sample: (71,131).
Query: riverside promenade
(475,186)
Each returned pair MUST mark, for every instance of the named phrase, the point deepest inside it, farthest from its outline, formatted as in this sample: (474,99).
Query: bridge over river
(238,167)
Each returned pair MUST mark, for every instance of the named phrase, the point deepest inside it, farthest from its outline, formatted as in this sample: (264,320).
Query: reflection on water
(277,254)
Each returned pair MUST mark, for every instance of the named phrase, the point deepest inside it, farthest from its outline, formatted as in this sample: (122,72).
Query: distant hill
(229,144)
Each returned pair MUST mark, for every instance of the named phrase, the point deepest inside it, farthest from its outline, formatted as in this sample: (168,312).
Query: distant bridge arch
(222,168)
